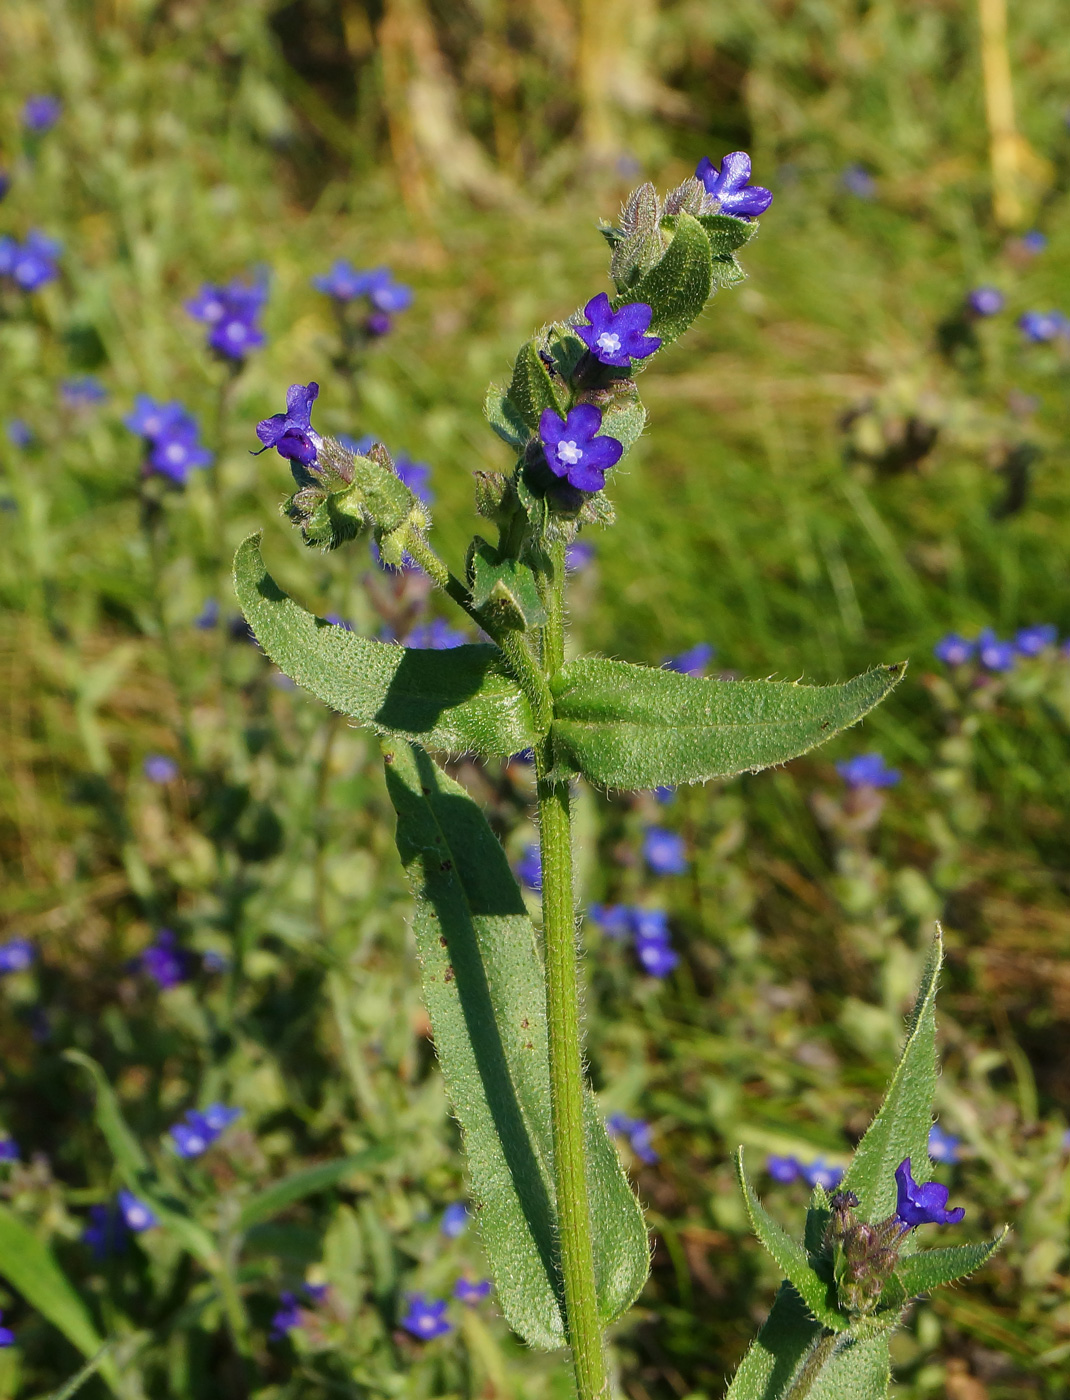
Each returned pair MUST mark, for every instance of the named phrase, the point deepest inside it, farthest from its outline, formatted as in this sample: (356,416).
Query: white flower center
(175,452)
(609,342)
(235,331)
(136,1216)
(569,453)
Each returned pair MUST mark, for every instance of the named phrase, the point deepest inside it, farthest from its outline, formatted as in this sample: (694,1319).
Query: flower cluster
(1042,327)
(994,653)
(815,1173)
(638,1134)
(425,1318)
(649,928)
(868,770)
(231,314)
(31,263)
(172,440)
(197,1131)
(383,296)
(110,1226)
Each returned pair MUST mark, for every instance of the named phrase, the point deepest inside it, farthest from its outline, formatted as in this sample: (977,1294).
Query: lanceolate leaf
(678,286)
(484,984)
(462,700)
(299,1185)
(28,1266)
(792,1258)
(531,389)
(726,233)
(901,1128)
(628,726)
(505,418)
(929,1268)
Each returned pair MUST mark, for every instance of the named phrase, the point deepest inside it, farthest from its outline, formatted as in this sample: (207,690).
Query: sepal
(638,244)
(505,589)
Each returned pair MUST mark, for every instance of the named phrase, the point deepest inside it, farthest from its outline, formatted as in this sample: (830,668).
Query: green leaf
(859,1369)
(726,233)
(531,389)
(679,285)
(462,700)
(137,1172)
(91,1367)
(308,1182)
(485,990)
(504,417)
(626,726)
(29,1267)
(506,588)
(929,1268)
(901,1128)
(624,421)
(786,1336)
(817,1292)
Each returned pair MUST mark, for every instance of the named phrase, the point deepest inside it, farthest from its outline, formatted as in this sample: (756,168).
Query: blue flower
(1043,326)
(105,1233)
(435,635)
(529,867)
(573,450)
(455,1219)
(158,768)
(345,282)
(166,963)
(868,770)
(615,920)
(287,1318)
(177,450)
(953,650)
(151,420)
(231,314)
(137,1216)
(784,1169)
(19,432)
(652,925)
(41,113)
(337,620)
(943,1147)
(665,794)
(986,301)
(656,956)
(993,654)
(198,1131)
(83,390)
(208,617)
(32,263)
(922,1205)
(387,295)
(469,1293)
(291,433)
(1034,241)
(1031,641)
(638,1134)
(317,1292)
(16,955)
(618,337)
(415,475)
(821,1173)
(692,662)
(729,188)
(857,180)
(9,1149)
(426,1318)
(219,1117)
(7,1337)
(578,556)
(663,851)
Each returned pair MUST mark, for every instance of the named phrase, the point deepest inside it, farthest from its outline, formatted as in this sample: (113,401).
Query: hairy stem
(566,1059)
(812,1367)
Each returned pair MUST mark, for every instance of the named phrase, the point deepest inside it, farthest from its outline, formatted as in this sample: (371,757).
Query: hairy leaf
(633,727)
(929,1268)
(901,1128)
(817,1292)
(726,233)
(308,1182)
(678,286)
(461,700)
(505,418)
(531,389)
(29,1267)
(485,990)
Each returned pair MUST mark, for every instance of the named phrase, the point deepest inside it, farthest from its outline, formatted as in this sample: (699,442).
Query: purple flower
(664,794)
(993,654)
(663,851)
(784,1169)
(158,768)
(137,1216)
(358,446)
(219,1117)
(166,963)
(692,662)
(943,1147)
(208,617)
(9,1149)
(572,449)
(343,281)
(820,1173)
(986,301)
(83,390)
(231,314)
(651,925)
(638,1134)
(1034,241)
(287,1318)
(106,1232)
(196,1133)
(337,620)
(922,1205)
(385,294)
(19,432)
(615,920)
(435,635)
(291,433)
(618,337)
(1042,326)
(578,556)
(177,451)
(455,1219)
(857,180)
(317,1292)
(41,113)
(425,1317)
(7,1337)
(151,420)
(868,770)
(378,323)
(529,867)
(657,957)
(1031,641)
(16,955)
(214,961)
(415,475)
(953,650)
(32,263)
(469,1293)
(728,186)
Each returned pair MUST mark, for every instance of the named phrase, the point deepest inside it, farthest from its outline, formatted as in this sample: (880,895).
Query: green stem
(812,1367)
(566,1056)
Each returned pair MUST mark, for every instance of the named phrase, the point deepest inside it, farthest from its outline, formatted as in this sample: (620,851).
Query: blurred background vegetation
(841,467)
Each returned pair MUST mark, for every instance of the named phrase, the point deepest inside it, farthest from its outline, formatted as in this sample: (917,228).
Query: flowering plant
(563,1230)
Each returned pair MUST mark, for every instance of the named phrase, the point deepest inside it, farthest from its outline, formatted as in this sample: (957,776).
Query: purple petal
(708,173)
(269,430)
(747,203)
(735,170)
(583,422)
(633,318)
(299,401)
(598,312)
(600,453)
(583,476)
(552,427)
